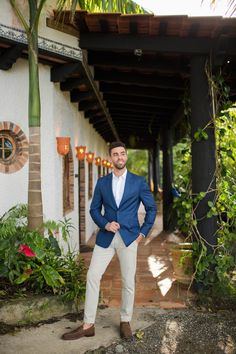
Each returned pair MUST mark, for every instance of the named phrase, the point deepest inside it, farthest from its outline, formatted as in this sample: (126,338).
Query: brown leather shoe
(125,330)
(79,332)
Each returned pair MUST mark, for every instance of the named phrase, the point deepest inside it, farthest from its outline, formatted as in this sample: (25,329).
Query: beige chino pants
(100,260)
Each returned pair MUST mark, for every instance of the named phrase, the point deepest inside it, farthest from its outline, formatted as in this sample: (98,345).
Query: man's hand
(139,238)
(112,226)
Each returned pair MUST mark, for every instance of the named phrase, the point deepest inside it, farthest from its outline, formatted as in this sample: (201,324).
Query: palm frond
(123,6)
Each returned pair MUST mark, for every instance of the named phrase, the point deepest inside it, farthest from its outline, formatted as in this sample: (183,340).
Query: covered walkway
(155,281)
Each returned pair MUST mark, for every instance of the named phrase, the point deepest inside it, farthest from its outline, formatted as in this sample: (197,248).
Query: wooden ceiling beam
(193,30)
(120,118)
(104,25)
(100,124)
(62,72)
(140,101)
(78,96)
(9,56)
(163,28)
(138,79)
(146,62)
(161,44)
(133,27)
(141,106)
(133,90)
(141,127)
(73,83)
(98,95)
(87,105)
(97,119)
(127,117)
(129,107)
(93,113)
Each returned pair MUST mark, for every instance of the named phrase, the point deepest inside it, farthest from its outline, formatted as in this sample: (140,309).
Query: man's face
(119,157)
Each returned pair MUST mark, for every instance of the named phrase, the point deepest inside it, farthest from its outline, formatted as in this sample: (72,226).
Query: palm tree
(35,206)
(231,6)
(123,6)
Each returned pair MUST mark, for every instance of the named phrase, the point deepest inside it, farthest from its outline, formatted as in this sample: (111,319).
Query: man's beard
(120,165)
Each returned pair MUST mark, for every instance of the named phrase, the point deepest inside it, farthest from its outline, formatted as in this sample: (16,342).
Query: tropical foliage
(138,162)
(123,6)
(30,263)
(216,270)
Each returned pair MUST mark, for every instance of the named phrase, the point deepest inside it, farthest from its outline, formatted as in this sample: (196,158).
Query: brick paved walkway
(155,283)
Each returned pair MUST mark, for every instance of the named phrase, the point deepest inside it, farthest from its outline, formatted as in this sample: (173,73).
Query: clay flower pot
(182,261)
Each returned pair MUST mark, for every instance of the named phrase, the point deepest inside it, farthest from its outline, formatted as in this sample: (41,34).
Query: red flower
(27,251)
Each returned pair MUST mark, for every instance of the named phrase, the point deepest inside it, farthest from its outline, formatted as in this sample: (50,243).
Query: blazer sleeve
(96,207)
(150,208)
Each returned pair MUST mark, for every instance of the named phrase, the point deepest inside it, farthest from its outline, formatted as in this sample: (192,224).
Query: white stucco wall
(13,107)
(59,117)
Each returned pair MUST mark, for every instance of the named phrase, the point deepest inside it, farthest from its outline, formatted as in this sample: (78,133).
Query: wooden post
(203,151)
(167,180)
(81,201)
(150,168)
(156,167)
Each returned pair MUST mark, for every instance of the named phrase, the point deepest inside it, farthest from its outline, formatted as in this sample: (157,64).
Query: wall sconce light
(108,164)
(98,161)
(90,157)
(63,145)
(80,152)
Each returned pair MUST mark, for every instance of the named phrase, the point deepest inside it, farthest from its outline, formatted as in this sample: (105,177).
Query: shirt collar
(122,176)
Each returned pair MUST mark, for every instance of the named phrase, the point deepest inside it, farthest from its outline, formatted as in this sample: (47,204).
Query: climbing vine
(216,270)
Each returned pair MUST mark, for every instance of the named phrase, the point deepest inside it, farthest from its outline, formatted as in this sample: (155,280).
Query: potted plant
(182,261)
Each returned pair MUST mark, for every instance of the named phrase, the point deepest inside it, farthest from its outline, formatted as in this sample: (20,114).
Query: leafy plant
(32,263)
(137,162)
(216,271)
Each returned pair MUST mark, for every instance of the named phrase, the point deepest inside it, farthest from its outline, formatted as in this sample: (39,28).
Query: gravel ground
(182,332)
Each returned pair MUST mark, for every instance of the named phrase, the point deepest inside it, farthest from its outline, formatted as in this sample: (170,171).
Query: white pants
(100,260)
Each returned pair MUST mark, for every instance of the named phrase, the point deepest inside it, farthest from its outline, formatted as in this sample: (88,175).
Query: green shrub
(32,263)
(216,271)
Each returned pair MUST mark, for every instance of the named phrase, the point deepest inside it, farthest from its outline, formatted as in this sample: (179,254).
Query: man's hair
(116,144)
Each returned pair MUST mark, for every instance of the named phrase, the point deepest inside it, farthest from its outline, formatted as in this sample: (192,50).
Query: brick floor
(155,282)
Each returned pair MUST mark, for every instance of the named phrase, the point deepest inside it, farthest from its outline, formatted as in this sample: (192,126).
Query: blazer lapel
(126,189)
(109,189)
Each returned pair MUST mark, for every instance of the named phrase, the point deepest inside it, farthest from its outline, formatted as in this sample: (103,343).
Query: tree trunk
(35,207)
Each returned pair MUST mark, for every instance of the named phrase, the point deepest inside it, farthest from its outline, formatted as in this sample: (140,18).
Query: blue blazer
(104,209)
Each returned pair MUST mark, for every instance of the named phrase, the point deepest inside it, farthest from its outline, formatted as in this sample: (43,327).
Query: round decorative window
(7,147)
(14,147)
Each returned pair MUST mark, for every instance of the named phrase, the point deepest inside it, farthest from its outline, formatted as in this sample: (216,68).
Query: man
(114,209)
